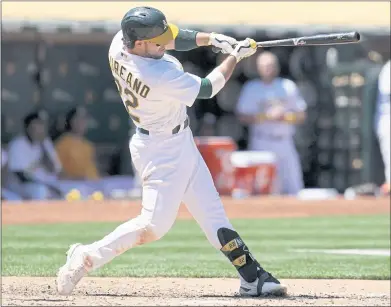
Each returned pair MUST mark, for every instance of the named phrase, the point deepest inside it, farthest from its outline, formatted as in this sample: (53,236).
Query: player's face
(153,50)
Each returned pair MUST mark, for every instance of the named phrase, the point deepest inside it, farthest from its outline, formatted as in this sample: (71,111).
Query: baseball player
(155,91)
(272,106)
(382,122)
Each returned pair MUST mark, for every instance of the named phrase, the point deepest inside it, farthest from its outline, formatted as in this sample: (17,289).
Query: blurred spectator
(78,157)
(76,153)
(272,106)
(382,121)
(5,193)
(33,163)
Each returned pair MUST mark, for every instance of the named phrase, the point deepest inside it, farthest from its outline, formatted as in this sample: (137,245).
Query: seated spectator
(78,158)
(33,163)
(5,193)
(76,153)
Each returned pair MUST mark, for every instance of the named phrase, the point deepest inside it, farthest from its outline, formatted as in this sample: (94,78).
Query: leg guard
(237,252)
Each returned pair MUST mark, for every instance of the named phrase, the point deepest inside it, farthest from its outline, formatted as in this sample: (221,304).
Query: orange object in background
(216,152)
(255,172)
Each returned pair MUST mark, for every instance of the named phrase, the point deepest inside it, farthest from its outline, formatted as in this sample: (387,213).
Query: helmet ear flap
(128,43)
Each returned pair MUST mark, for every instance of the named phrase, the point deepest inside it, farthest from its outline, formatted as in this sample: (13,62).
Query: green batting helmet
(147,24)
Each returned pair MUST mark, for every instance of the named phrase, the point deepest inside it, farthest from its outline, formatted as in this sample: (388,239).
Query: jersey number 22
(129,99)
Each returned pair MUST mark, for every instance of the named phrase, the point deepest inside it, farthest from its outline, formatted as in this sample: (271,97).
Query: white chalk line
(366,252)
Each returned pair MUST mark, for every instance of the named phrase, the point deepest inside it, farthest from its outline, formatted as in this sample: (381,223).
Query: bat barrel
(314,40)
(356,36)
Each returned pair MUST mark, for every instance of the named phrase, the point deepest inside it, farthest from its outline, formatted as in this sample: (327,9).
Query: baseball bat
(312,40)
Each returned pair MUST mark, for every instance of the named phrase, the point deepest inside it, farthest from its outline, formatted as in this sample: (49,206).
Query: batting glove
(223,43)
(244,49)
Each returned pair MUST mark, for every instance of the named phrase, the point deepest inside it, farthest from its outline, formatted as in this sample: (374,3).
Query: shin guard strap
(237,252)
(232,245)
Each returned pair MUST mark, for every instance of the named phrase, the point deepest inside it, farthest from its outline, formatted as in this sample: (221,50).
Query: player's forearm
(203,39)
(227,67)
(216,80)
(219,76)
(188,40)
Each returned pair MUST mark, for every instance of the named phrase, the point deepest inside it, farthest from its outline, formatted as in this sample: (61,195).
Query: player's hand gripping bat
(313,40)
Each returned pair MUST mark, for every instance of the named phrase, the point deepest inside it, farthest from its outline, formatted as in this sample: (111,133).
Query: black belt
(174,131)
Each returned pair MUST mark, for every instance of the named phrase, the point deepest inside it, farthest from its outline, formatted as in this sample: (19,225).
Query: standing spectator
(382,122)
(33,162)
(272,106)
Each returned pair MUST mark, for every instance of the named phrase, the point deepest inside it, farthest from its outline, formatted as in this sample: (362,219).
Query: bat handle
(216,49)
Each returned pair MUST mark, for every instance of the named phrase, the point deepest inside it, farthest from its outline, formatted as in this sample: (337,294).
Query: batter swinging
(155,91)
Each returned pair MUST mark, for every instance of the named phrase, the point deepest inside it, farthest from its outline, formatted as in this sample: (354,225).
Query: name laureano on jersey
(134,86)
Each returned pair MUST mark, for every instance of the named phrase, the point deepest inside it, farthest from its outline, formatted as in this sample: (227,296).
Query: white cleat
(264,285)
(77,266)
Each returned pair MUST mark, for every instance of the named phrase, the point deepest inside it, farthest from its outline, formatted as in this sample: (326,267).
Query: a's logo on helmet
(165,24)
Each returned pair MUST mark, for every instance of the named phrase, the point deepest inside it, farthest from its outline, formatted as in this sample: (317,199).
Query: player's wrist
(235,55)
(210,38)
(203,39)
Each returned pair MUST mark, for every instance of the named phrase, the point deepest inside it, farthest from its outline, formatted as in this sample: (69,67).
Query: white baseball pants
(172,171)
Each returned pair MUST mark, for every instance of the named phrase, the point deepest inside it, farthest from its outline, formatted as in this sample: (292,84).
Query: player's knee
(160,228)
(150,233)
(151,230)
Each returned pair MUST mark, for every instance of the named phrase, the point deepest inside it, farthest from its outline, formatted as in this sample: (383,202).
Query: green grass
(38,250)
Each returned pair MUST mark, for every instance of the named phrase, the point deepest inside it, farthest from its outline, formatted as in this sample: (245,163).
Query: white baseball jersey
(155,92)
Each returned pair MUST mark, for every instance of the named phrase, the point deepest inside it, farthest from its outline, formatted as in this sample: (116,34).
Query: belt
(174,131)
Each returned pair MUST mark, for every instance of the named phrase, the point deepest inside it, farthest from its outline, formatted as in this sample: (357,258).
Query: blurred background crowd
(65,131)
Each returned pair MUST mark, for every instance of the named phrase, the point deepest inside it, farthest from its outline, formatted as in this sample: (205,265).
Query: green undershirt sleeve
(186,40)
(205,89)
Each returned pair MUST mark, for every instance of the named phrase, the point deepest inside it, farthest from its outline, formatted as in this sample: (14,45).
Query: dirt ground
(29,291)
